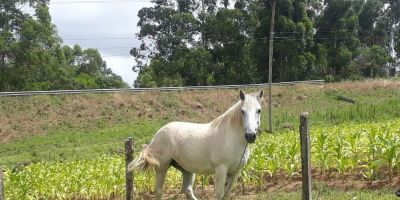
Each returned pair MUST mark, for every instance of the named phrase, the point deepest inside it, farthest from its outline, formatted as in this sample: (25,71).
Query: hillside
(61,127)
(40,115)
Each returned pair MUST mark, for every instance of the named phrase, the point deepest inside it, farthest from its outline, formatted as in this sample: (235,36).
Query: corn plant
(351,140)
(390,148)
(372,148)
(322,150)
(341,158)
(291,153)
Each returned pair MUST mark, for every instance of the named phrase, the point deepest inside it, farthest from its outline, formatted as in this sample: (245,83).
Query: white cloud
(123,67)
(97,25)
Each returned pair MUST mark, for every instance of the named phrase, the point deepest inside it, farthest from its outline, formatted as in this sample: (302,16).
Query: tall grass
(337,112)
(66,146)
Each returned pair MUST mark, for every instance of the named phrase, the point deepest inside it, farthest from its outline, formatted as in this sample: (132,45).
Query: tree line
(33,57)
(207,42)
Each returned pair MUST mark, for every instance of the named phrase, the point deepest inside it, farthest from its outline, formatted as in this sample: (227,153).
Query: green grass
(66,146)
(376,105)
(328,193)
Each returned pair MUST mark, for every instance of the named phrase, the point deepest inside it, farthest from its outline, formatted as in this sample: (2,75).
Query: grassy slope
(62,127)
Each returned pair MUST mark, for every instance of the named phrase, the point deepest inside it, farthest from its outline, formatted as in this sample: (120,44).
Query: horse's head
(251,114)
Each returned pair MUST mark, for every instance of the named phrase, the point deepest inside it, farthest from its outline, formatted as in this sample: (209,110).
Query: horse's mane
(232,116)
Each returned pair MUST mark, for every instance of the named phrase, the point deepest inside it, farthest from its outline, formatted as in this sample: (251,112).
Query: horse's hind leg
(188,180)
(187,186)
(161,172)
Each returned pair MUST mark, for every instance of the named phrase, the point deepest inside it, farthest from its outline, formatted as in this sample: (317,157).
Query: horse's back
(186,143)
(183,129)
(176,133)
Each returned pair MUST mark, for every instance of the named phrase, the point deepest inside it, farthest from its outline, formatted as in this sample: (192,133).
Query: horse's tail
(144,162)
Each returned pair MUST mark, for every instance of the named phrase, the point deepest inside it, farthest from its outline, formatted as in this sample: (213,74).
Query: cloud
(109,26)
(122,66)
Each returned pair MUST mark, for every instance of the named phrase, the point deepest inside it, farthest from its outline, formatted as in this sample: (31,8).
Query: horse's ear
(242,95)
(260,94)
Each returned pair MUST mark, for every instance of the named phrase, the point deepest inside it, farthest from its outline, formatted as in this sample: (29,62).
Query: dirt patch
(283,183)
(366,85)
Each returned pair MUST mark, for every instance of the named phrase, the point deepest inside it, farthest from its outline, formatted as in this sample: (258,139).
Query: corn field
(371,150)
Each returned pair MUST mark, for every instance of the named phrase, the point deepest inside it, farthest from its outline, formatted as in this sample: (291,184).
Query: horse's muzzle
(251,137)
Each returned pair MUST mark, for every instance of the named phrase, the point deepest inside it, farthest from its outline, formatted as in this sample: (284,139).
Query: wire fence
(135,90)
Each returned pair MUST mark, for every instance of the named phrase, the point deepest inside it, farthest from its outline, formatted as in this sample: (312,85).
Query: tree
(393,13)
(372,62)
(211,42)
(368,17)
(293,59)
(32,56)
(337,29)
(230,47)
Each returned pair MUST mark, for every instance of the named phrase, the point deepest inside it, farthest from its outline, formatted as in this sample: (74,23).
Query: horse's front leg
(220,179)
(229,184)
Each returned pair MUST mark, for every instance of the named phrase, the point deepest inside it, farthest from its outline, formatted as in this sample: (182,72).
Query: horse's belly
(195,164)
(199,168)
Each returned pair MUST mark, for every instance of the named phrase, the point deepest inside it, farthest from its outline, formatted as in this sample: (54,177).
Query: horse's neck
(232,118)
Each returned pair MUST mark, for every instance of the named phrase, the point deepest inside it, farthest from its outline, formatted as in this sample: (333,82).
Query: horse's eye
(243,112)
(259,111)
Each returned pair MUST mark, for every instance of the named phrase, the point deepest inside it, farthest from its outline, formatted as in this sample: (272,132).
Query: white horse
(218,147)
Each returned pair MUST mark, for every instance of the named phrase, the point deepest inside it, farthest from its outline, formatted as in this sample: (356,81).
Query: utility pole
(271,49)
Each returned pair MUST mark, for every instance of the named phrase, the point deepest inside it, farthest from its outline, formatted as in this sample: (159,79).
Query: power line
(100,38)
(251,38)
(63,2)
(117,55)
(99,2)
(216,36)
(91,2)
(277,39)
(139,1)
(104,48)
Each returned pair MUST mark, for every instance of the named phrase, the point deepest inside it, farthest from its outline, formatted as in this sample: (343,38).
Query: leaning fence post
(1,184)
(305,156)
(128,175)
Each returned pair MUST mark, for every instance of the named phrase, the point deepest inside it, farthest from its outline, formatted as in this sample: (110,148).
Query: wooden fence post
(129,144)
(1,184)
(305,156)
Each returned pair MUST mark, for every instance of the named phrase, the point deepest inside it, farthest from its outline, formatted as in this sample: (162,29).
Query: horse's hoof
(398,193)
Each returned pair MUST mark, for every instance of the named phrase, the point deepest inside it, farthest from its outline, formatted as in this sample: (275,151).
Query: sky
(107,25)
